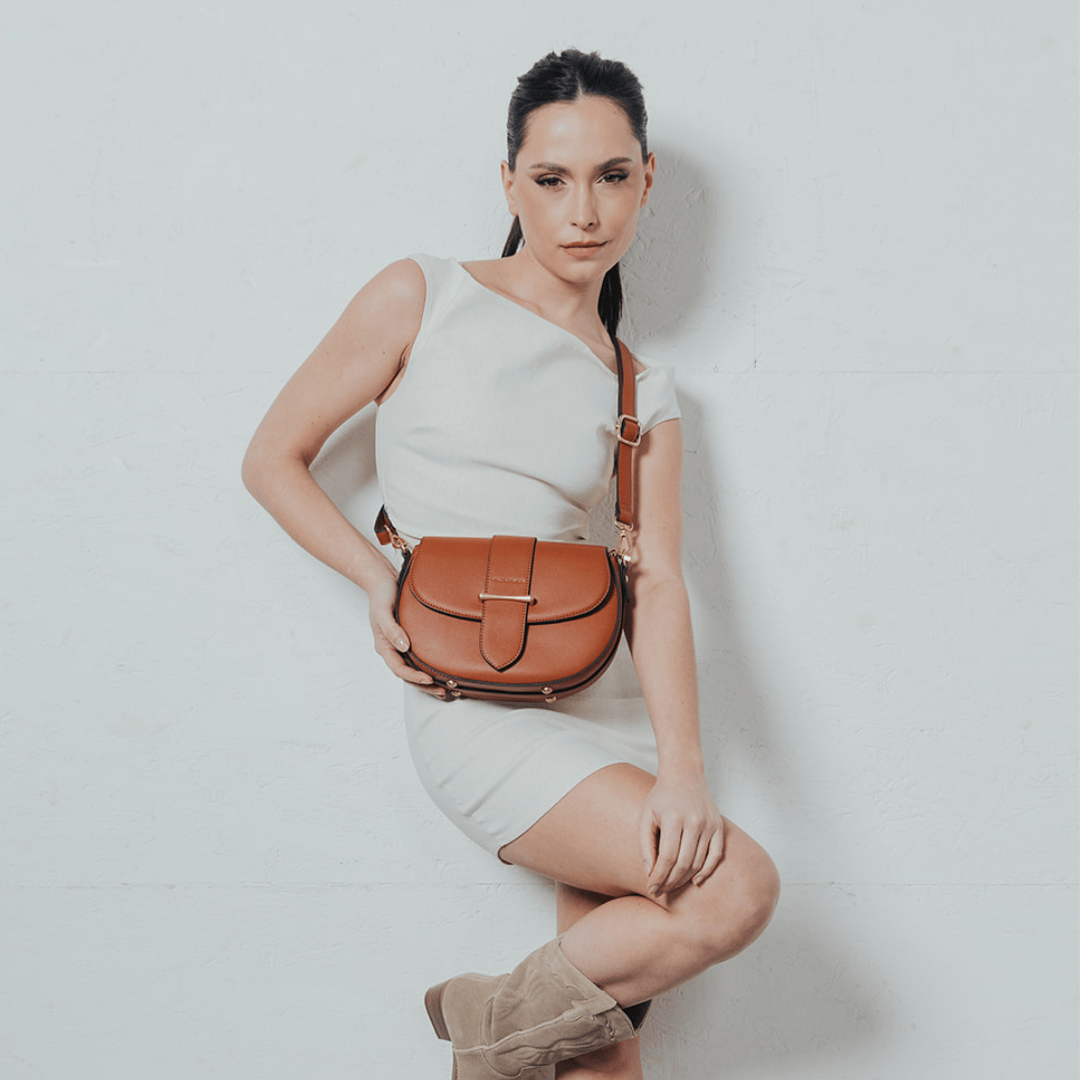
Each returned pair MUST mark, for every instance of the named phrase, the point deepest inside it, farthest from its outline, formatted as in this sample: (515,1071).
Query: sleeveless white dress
(504,422)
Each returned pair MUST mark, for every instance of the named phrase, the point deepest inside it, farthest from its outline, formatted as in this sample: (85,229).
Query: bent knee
(734,906)
(762,894)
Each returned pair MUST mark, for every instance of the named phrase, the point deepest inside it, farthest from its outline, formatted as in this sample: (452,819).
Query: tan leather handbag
(513,618)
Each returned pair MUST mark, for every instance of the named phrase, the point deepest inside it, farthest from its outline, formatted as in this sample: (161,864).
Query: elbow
(265,467)
(248,470)
(253,471)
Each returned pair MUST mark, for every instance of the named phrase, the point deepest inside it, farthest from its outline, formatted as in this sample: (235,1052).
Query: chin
(576,268)
(557,261)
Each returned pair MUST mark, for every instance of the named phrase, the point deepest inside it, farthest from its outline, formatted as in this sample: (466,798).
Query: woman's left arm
(681,829)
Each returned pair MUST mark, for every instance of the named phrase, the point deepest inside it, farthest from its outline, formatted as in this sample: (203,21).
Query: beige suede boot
(545,1010)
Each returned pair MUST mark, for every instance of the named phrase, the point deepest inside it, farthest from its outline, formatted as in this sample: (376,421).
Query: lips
(582,250)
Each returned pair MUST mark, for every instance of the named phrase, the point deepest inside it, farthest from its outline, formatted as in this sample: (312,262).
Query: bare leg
(621,1061)
(632,946)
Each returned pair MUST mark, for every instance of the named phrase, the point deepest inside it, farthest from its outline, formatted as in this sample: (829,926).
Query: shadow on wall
(678,235)
(784,994)
(791,995)
(779,1008)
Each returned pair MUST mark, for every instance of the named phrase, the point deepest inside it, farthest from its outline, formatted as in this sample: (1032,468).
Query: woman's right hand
(391,641)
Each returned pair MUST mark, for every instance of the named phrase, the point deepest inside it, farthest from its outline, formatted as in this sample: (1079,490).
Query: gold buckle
(625,551)
(496,596)
(623,417)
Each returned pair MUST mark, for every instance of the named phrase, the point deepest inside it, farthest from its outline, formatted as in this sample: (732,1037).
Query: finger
(393,633)
(647,840)
(712,859)
(687,863)
(668,853)
(435,692)
(684,864)
(701,854)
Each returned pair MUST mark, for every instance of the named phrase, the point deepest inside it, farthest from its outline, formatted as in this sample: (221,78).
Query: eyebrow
(551,166)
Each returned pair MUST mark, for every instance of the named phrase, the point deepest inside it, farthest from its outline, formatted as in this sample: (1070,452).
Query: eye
(614,177)
(549,181)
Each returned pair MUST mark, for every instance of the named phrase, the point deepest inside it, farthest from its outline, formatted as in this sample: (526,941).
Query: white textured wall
(215,859)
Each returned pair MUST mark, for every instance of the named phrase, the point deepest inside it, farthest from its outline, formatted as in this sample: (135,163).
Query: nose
(584,209)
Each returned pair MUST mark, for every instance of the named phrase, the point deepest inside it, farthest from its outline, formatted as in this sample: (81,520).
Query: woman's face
(577,187)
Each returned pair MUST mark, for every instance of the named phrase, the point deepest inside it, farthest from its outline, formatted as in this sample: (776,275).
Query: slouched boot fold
(544,1011)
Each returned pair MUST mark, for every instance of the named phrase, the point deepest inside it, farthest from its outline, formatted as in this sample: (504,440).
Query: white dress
(504,422)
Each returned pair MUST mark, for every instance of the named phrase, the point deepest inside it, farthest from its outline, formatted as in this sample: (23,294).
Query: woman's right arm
(354,364)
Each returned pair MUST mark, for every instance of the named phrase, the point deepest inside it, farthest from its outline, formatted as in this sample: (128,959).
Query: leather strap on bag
(628,433)
(505,600)
(385,532)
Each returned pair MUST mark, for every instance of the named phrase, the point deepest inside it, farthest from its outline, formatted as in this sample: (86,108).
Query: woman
(496,387)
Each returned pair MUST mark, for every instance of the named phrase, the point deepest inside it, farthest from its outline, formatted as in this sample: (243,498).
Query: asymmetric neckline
(528,311)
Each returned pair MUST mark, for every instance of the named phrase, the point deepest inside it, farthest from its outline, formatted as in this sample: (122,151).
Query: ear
(508,187)
(650,175)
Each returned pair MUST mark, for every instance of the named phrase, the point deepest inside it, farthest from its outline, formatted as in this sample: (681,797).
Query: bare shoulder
(405,278)
(356,361)
(400,285)
(381,321)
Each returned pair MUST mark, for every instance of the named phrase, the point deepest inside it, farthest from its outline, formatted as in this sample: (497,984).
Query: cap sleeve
(656,400)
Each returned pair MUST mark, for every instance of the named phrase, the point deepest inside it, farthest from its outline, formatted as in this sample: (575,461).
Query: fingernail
(427,679)
(402,643)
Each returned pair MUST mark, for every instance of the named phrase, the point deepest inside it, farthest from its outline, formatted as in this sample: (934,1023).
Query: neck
(570,303)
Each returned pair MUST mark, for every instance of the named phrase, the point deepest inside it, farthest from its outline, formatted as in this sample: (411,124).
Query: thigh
(572,903)
(589,839)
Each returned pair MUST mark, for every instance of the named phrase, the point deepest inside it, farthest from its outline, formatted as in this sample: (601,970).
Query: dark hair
(566,76)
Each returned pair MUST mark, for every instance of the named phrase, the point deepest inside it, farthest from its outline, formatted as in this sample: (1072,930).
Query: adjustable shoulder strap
(385,531)
(628,432)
